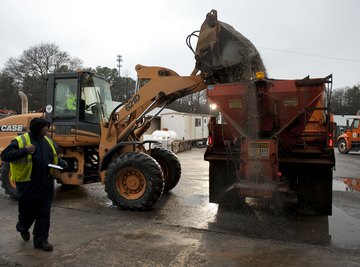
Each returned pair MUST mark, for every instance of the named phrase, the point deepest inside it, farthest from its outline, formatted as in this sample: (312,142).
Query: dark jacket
(41,180)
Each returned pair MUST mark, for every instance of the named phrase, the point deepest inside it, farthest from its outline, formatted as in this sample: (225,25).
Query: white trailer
(187,126)
(191,129)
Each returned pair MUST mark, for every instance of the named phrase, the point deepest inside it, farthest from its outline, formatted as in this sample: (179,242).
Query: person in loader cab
(29,155)
(71,101)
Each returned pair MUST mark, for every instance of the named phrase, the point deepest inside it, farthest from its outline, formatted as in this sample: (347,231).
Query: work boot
(44,245)
(25,235)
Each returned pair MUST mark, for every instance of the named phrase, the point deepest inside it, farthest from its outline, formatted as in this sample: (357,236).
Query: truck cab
(350,139)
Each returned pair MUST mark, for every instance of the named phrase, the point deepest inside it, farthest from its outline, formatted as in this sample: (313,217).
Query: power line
(310,55)
(119,60)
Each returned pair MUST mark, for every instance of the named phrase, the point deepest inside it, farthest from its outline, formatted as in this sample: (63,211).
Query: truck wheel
(6,182)
(134,181)
(222,177)
(170,166)
(315,190)
(342,147)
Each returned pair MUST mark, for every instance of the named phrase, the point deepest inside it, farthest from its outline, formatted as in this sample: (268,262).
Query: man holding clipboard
(30,155)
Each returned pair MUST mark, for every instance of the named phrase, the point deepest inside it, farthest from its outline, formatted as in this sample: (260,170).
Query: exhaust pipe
(24,103)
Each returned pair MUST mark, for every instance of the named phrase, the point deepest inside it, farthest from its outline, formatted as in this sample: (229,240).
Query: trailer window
(197,122)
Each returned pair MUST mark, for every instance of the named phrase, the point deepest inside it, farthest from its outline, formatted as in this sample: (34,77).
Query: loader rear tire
(170,166)
(342,147)
(6,182)
(134,181)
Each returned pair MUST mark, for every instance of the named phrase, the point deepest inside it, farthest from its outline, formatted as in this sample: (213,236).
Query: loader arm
(160,86)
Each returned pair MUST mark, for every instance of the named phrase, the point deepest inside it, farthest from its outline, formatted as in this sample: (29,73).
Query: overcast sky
(294,38)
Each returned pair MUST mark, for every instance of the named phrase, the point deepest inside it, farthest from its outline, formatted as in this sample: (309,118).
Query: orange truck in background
(350,139)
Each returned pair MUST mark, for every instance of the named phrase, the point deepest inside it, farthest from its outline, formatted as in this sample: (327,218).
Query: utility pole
(119,60)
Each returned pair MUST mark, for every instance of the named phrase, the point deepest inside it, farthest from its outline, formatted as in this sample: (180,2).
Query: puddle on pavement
(93,194)
(344,229)
(340,229)
(346,184)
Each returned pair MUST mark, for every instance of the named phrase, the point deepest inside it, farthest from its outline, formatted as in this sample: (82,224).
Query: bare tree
(106,72)
(122,88)
(29,70)
(346,100)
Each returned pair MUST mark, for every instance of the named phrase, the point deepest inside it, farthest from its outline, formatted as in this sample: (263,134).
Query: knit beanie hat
(37,124)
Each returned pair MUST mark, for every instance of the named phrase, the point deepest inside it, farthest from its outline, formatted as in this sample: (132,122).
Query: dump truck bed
(277,136)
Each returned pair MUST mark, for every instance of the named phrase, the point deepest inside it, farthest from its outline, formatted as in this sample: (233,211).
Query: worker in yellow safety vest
(29,156)
(71,101)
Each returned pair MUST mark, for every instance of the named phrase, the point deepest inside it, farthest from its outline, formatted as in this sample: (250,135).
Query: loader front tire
(170,166)
(6,182)
(134,181)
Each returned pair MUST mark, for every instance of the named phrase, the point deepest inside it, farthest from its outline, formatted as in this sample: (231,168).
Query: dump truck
(277,141)
(277,137)
(349,140)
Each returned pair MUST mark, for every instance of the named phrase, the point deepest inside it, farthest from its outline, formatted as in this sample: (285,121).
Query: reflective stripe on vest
(21,169)
(55,158)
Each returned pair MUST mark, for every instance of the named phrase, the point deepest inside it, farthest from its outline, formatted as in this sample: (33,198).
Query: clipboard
(55,166)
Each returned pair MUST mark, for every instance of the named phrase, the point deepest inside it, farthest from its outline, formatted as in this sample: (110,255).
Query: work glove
(62,163)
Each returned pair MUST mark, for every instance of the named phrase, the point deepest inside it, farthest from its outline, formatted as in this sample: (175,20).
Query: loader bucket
(224,53)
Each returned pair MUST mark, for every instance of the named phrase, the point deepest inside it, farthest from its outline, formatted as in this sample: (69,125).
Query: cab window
(90,105)
(65,97)
(356,124)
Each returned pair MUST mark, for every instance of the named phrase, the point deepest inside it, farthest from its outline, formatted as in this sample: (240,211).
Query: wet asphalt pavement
(184,229)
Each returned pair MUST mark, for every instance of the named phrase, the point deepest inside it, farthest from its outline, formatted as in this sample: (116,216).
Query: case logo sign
(12,128)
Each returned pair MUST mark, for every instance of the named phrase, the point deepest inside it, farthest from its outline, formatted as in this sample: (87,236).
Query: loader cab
(76,104)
